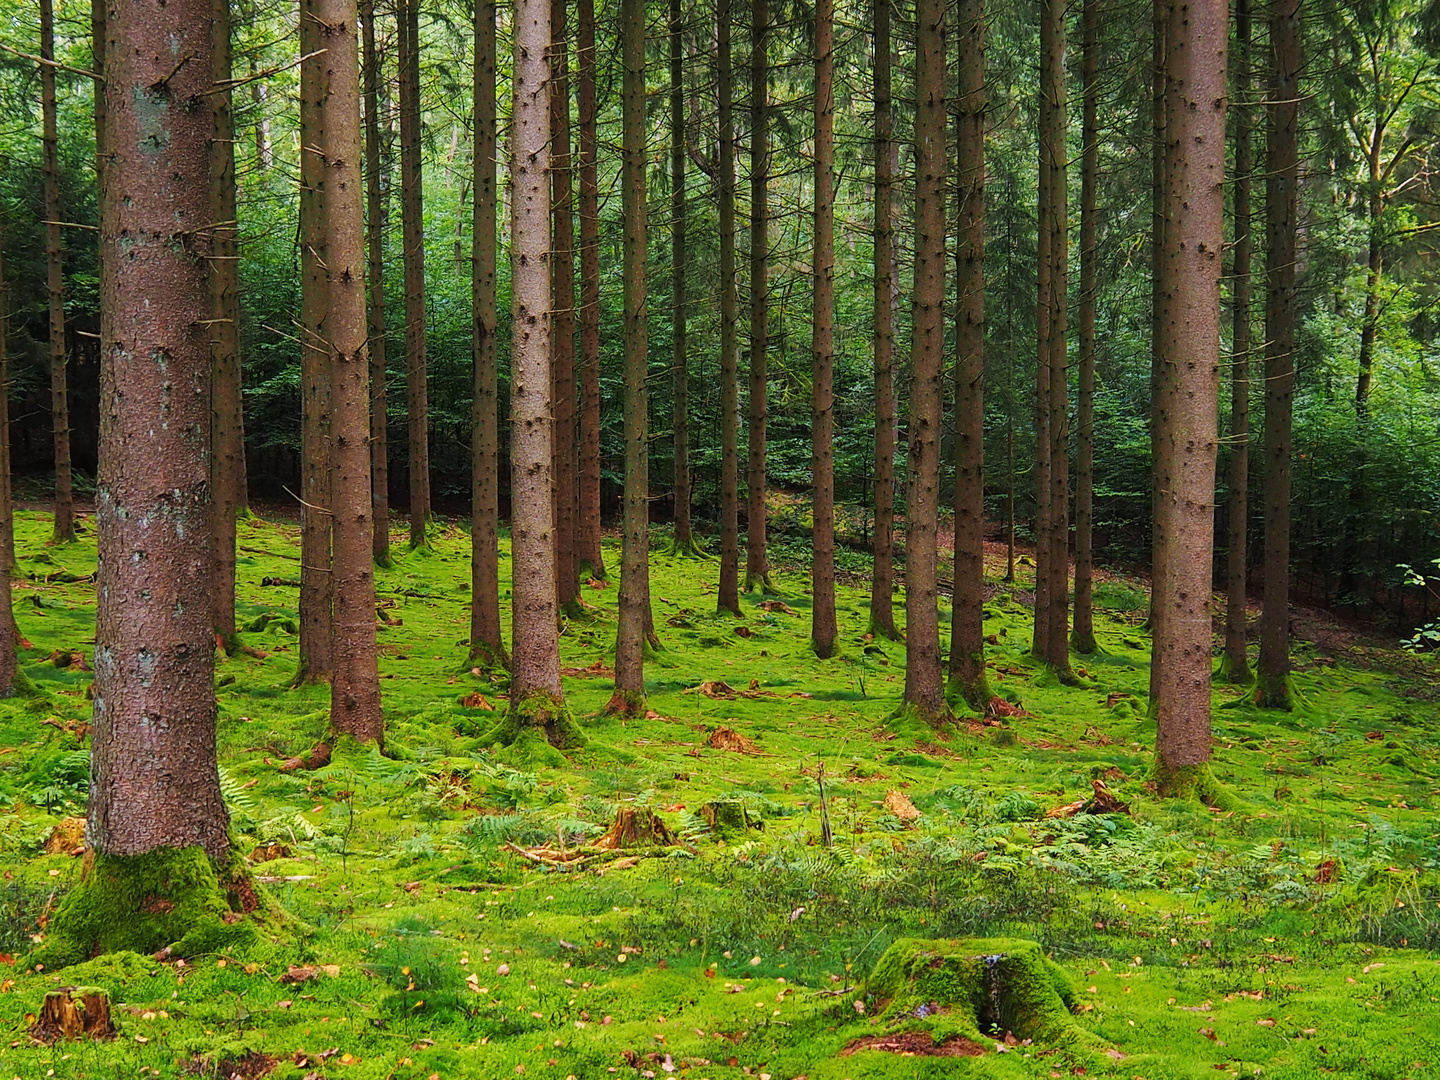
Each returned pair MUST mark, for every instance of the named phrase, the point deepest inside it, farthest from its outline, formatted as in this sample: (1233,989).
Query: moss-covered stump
(729,819)
(976,989)
(174,901)
(74,1012)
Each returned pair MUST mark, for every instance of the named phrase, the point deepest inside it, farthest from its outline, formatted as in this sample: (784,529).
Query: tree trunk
(1044,310)
(1083,632)
(629,696)
(757,563)
(967,620)
(679,375)
(11,680)
(882,588)
(1281,214)
(924,691)
(227,458)
(728,598)
(537,701)
(587,542)
(316,584)
(412,227)
(355,683)
(562,340)
(154,781)
(487,645)
(375,278)
(1159,150)
(822,341)
(1236,661)
(54,280)
(1194,232)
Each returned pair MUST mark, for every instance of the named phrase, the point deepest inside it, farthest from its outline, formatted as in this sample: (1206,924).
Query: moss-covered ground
(1295,936)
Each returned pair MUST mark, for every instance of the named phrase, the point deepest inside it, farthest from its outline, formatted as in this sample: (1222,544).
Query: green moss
(1193,782)
(168,897)
(975,693)
(537,719)
(1272,692)
(909,719)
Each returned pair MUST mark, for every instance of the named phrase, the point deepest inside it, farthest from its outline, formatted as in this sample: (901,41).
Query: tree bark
(728,594)
(11,681)
(882,588)
(227,458)
(924,691)
(822,341)
(375,279)
(562,340)
(967,620)
(679,373)
(355,683)
(1195,209)
(1083,631)
(1281,214)
(629,696)
(154,781)
(54,280)
(757,563)
(587,542)
(316,584)
(487,645)
(412,227)
(1158,367)
(1044,267)
(1237,662)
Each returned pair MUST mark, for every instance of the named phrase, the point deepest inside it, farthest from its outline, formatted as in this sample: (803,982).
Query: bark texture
(757,563)
(154,781)
(822,341)
(1083,631)
(1196,67)
(54,279)
(1282,187)
(562,340)
(587,540)
(9,632)
(886,293)
(375,278)
(412,228)
(1159,415)
(924,691)
(1237,663)
(679,369)
(728,593)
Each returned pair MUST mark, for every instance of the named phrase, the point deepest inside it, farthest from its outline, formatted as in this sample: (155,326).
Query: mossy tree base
(1273,692)
(488,656)
(885,630)
(984,987)
(1085,646)
(171,900)
(920,720)
(626,703)
(592,570)
(1234,675)
(974,692)
(1192,782)
(537,719)
(762,583)
(687,549)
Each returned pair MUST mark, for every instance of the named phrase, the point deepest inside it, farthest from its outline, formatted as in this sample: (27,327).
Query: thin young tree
(757,563)
(1237,664)
(684,543)
(12,679)
(487,646)
(355,680)
(629,696)
(822,341)
(967,620)
(1083,631)
(54,279)
(591,561)
(1196,67)
(924,689)
(728,593)
(412,228)
(1282,186)
(375,216)
(562,341)
(316,583)
(882,611)
(227,459)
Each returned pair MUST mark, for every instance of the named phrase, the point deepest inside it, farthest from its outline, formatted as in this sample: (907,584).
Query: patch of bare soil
(917,1044)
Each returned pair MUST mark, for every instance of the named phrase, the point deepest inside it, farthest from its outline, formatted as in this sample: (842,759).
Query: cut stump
(74,1012)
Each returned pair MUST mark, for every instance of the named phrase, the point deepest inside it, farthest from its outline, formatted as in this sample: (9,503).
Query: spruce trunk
(375,279)
(1237,661)
(562,339)
(588,555)
(757,564)
(412,228)
(728,593)
(54,279)
(1083,631)
(822,341)
(679,374)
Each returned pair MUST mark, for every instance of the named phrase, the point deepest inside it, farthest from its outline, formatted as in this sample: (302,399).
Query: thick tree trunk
(1195,211)
(562,339)
(757,563)
(355,683)
(967,620)
(412,227)
(54,280)
(227,458)
(375,279)
(629,696)
(924,690)
(1281,215)
(316,584)
(154,782)
(728,593)
(487,646)
(679,373)
(1083,631)
(537,701)
(822,341)
(882,611)
(587,540)
(98,18)
(11,680)
(1236,661)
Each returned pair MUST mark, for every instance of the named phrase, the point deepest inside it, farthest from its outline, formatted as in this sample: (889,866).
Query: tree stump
(636,827)
(74,1012)
(729,818)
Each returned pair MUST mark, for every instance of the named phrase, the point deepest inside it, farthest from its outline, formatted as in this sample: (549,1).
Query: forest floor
(1297,936)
